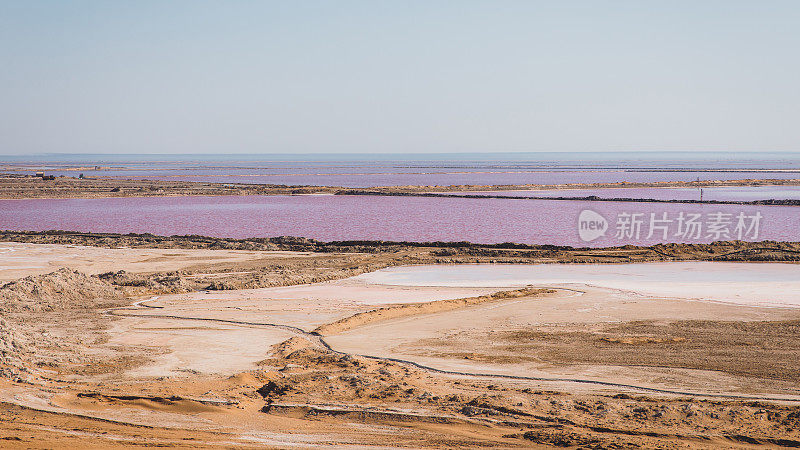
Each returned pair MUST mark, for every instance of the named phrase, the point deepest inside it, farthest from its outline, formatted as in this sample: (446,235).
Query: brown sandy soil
(304,397)
(761,349)
(305,306)
(416,309)
(602,335)
(73,187)
(236,345)
(242,368)
(100,187)
(19,260)
(379,254)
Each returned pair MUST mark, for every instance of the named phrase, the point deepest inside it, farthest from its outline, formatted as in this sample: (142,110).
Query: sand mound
(412,309)
(12,347)
(289,346)
(62,289)
(169,283)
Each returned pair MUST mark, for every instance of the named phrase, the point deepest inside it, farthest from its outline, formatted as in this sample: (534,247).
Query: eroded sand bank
(19,260)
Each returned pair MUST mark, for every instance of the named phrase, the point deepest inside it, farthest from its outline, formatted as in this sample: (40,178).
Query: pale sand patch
(309,306)
(218,348)
(18,260)
(419,338)
(305,306)
(195,347)
(761,284)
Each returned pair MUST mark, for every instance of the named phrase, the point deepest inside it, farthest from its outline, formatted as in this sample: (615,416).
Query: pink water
(361,217)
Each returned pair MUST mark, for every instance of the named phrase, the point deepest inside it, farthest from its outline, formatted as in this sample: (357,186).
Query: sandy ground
(202,348)
(610,294)
(619,356)
(464,340)
(305,306)
(237,348)
(741,283)
(238,326)
(19,260)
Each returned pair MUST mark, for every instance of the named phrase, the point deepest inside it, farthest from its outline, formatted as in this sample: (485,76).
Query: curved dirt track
(319,341)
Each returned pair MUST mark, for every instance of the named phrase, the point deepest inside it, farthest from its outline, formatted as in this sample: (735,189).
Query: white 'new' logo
(591,225)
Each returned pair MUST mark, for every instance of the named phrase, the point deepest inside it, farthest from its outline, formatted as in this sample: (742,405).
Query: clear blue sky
(394,76)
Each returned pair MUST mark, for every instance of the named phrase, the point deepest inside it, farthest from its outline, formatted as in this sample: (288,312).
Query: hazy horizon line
(532,152)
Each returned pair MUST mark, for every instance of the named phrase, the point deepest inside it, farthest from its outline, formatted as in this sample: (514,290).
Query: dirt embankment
(314,384)
(413,309)
(99,187)
(302,392)
(62,289)
(36,309)
(13,347)
(566,187)
(70,187)
(566,196)
(430,252)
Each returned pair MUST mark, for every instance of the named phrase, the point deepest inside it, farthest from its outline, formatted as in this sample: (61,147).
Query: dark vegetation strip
(591,198)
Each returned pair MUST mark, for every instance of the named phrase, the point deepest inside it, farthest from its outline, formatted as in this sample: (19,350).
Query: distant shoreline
(435,252)
(590,198)
(28,188)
